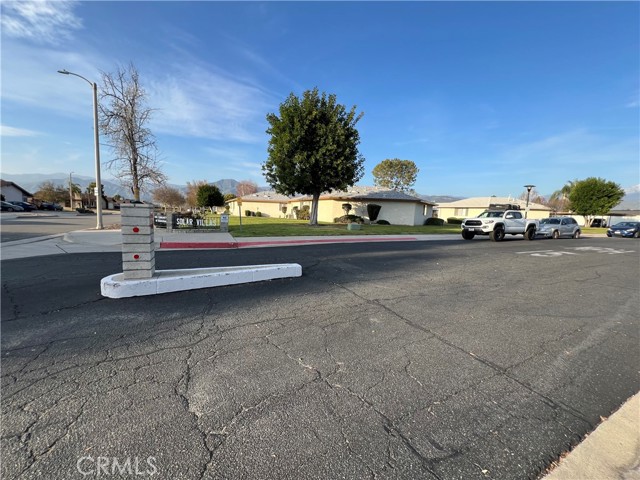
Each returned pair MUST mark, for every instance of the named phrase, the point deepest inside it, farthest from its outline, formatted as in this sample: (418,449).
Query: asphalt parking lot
(443,360)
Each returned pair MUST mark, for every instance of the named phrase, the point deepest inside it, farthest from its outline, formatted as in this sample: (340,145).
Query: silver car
(557,227)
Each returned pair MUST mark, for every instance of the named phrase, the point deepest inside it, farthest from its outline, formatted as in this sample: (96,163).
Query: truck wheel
(530,234)
(555,235)
(467,235)
(497,235)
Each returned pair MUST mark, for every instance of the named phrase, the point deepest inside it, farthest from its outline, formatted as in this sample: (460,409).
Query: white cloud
(633,189)
(197,101)
(30,78)
(7,131)
(41,20)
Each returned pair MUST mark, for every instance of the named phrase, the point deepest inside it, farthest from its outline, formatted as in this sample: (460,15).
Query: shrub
(304,213)
(247,213)
(349,219)
(434,221)
(383,222)
(454,221)
(258,214)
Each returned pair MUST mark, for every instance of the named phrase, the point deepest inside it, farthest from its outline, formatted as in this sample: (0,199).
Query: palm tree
(561,197)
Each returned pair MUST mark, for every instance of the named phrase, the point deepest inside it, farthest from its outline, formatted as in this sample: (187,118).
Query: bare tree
(534,197)
(123,120)
(246,187)
(192,192)
(50,192)
(168,196)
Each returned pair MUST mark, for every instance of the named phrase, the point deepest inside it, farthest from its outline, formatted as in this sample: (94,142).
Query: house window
(461,212)
(425,210)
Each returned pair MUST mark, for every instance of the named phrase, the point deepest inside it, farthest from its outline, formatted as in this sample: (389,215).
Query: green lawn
(280,227)
(592,230)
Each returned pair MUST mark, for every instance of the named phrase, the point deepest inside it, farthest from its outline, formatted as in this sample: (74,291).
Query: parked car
(27,207)
(557,227)
(599,223)
(50,206)
(10,207)
(624,229)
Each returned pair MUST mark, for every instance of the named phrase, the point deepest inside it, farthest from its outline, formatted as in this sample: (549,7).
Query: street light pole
(526,209)
(96,135)
(70,193)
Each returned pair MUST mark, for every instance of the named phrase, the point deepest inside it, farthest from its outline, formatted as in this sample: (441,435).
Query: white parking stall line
(559,253)
(546,253)
(607,250)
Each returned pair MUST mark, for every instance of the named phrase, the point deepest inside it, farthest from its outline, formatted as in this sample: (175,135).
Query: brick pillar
(138,248)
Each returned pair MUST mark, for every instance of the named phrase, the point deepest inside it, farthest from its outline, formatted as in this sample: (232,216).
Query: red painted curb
(205,245)
(198,245)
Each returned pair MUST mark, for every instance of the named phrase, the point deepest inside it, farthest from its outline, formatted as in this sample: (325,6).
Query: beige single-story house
(268,203)
(396,207)
(474,206)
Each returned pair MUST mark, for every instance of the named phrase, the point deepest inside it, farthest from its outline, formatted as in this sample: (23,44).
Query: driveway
(439,360)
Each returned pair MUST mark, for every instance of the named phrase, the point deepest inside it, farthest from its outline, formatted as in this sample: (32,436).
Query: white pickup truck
(498,221)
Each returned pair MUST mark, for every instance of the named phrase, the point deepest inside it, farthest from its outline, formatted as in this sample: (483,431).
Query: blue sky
(485,97)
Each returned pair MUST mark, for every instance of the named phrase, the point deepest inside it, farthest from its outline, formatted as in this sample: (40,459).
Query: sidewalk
(611,451)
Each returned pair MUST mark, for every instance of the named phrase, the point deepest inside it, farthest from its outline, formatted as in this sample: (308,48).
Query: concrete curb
(165,281)
(31,240)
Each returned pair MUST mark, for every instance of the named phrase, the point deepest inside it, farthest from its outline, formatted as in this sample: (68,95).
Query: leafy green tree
(209,196)
(313,147)
(395,174)
(594,196)
(92,186)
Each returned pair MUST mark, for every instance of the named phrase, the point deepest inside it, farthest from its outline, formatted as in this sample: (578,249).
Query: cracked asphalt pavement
(432,360)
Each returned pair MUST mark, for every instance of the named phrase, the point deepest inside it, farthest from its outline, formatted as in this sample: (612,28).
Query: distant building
(397,208)
(13,192)
(474,206)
